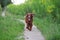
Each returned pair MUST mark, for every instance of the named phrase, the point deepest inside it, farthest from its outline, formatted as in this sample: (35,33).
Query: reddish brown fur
(29,23)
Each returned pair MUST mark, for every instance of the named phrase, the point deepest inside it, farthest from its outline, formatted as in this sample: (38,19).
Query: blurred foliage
(47,15)
(10,28)
(42,8)
(4,2)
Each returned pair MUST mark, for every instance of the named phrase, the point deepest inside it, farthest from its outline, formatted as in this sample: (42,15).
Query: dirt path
(35,34)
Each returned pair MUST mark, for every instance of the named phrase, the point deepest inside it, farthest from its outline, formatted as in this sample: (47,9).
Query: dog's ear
(33,14)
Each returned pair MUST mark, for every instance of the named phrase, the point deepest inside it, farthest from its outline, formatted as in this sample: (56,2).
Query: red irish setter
(29,20)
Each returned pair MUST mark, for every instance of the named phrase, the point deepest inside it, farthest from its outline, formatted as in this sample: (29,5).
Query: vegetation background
(46,18)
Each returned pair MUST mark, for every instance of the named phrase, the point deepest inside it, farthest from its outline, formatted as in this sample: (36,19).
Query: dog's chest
(29,17)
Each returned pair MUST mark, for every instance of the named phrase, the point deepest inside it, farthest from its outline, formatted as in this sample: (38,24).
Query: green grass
(50,30)
(10,28)
(14,16)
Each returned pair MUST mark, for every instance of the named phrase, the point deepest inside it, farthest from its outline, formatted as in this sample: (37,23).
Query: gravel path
(35,34)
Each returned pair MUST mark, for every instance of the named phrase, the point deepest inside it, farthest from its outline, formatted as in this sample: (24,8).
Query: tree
(4,3)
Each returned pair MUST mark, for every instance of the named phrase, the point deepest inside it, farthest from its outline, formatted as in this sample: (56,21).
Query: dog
(29,21)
